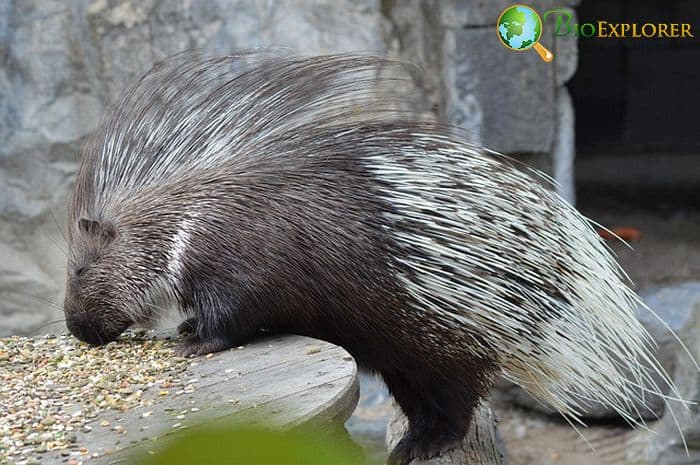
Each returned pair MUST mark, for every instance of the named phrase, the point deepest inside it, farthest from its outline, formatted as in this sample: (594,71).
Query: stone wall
(62,61)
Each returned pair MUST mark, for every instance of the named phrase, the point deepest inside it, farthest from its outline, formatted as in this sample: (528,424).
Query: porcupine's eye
(87,263)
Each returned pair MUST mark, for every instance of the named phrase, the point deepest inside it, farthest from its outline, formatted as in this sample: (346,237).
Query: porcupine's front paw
(423,446)
(193,345)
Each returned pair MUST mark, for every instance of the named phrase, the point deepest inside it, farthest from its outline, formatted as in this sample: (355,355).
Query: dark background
(638,95)
(637,108)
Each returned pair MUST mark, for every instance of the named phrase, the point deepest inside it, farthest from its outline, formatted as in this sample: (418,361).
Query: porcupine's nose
(89,331)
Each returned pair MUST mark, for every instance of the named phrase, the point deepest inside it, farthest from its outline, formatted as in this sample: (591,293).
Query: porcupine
(260,191)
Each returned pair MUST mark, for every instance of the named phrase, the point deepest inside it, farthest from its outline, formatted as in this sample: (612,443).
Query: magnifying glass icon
(520,28)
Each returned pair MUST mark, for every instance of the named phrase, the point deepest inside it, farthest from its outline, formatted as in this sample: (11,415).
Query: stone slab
(510,94)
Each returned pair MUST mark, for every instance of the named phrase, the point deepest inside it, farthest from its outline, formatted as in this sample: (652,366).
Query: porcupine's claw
(193,345)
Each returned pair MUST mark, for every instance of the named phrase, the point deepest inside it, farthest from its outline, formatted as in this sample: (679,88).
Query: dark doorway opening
(637,106)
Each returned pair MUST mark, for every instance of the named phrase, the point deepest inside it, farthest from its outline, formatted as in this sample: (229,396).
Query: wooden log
(284,381)
(481,446)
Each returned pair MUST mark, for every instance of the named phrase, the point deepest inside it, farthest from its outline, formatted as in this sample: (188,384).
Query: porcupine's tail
(596,350)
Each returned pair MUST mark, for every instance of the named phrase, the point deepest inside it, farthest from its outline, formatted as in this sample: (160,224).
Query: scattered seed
(313,350)
(53,386)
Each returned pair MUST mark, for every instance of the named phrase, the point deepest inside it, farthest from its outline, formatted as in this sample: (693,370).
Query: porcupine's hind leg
(439,409)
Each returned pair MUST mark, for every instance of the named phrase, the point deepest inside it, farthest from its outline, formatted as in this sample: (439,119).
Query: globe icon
(519,28)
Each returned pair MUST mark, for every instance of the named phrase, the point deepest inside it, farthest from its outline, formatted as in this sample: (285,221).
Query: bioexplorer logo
(520,28)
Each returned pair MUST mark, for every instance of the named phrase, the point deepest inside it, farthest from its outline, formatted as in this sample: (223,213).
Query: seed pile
(53,386)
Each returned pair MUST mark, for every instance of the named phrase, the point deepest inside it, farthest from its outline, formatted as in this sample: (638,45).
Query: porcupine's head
(93,304)
(122,222)
(118,272)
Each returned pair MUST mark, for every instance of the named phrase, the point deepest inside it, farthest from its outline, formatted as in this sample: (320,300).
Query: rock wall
(62,61)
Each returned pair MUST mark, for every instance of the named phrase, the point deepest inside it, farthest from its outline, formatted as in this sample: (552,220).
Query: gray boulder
(667,447)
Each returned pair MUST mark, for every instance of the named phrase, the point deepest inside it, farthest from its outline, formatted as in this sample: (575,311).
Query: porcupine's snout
(88,331)
(86,324)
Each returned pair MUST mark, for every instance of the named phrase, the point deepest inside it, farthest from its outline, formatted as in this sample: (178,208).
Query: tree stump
(481,446)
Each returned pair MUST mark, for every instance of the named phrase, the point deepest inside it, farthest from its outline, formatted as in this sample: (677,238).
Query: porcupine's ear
(102,229)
